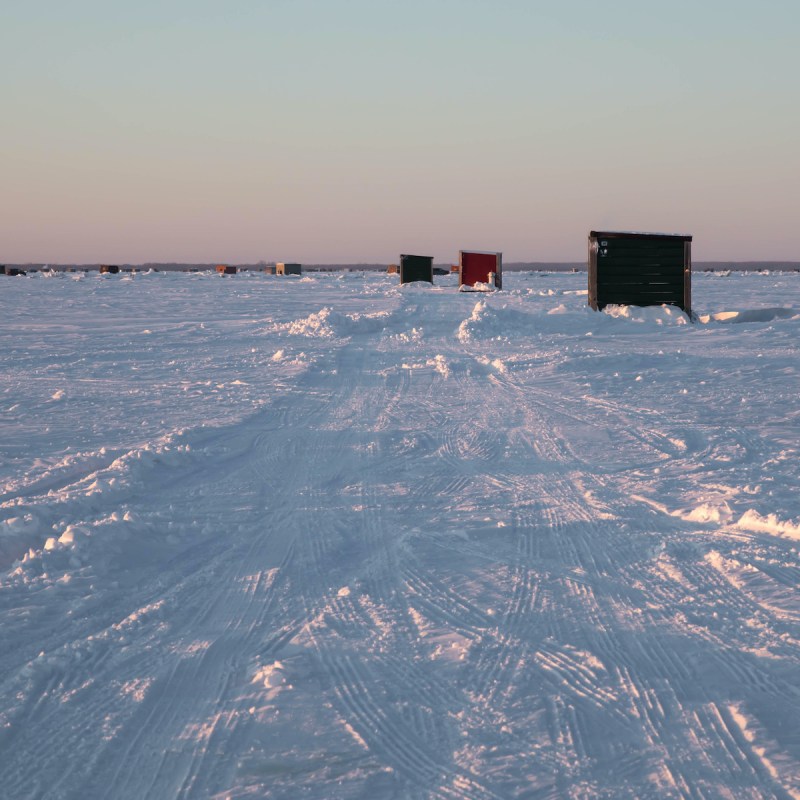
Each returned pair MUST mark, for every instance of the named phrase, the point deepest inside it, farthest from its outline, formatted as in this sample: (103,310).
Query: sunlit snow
(337,538)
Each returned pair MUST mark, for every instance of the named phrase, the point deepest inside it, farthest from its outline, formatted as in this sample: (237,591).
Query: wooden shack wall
(416,268)
(474,267)
(640,270)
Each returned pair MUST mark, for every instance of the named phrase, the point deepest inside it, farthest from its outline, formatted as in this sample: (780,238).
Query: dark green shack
(640,269)
(416,268)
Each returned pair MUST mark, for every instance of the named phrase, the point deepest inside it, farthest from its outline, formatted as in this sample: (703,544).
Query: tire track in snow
(249,624)
(164,709)
(572,552)
(337,616)
(340,618)
(589,612)
(170,713)
(501,662)
(670,692)
(388,733)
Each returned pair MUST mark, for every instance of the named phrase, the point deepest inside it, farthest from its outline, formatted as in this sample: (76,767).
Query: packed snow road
(332,538)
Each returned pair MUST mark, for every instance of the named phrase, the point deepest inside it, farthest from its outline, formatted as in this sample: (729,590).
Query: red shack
(474,267)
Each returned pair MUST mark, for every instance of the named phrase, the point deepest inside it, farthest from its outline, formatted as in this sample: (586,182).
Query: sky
(353,131)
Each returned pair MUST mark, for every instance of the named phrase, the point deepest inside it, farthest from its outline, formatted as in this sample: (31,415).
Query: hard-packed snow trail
(335,538)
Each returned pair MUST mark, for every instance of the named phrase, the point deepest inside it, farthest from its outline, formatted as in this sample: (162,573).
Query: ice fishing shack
(640,269)
(476,266)
(416,268)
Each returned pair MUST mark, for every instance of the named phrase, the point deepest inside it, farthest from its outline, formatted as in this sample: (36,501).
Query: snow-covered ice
(338,538)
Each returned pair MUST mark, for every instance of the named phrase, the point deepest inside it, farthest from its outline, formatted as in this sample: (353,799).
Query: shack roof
(686,237)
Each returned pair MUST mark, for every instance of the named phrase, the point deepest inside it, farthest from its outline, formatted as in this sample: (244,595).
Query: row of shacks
(474,266)
(281,268)
(625,268)
(222,269)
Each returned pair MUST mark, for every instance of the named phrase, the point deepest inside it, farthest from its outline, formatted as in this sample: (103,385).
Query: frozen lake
(327,537)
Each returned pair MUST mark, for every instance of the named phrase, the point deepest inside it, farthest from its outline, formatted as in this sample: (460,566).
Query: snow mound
(329,324)
(477,287)
(487,323)
(322,323)
(749,315)
(438,362)
(502,322)
(271,676)
(17,536)
(706,512)
(753,521)
(649,315)
(415,286)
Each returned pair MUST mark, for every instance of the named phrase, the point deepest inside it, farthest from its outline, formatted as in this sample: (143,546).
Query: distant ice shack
(475,266)
(416,268)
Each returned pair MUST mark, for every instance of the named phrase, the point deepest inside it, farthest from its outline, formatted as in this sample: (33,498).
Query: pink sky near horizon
(297,132)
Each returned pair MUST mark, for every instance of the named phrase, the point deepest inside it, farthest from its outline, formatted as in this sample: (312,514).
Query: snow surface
(337,538)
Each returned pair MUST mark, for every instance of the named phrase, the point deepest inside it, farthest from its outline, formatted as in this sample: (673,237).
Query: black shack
(640,269)
(416,268)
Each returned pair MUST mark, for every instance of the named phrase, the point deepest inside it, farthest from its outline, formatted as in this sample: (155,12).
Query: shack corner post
(640,269)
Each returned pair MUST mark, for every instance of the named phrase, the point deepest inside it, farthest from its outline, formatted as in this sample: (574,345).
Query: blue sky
(353,131)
